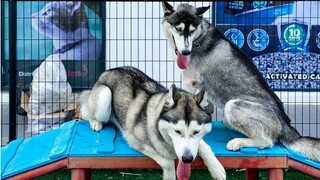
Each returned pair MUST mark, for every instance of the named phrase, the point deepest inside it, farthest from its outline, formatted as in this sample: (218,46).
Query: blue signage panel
(282,37)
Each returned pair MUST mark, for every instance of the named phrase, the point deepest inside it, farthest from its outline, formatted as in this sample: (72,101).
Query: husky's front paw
(96,125)
(216,169)
(235,144)
(219,172)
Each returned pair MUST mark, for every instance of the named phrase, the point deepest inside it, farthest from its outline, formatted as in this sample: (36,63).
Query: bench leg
(252,174)
(80,174)
(275,174)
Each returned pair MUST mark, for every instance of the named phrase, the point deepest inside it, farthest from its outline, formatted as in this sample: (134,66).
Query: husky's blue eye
(177,131)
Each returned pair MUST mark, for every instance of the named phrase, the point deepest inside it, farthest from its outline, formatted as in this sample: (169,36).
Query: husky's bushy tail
(308,146)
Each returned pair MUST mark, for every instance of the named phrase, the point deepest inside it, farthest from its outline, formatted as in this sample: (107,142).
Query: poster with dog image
(72,29)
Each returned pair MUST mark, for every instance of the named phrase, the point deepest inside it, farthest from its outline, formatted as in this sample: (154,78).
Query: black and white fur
(232,83)
(162,124)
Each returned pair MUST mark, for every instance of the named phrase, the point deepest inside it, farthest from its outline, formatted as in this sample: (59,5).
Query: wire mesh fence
(73,42)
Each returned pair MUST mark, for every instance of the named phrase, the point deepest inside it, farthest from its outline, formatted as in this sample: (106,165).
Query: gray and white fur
(162,124)
(232,83)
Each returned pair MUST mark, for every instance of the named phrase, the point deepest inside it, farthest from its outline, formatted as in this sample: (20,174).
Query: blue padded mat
(76,139)
(108,142)
(90,143)
(301,158)
(221,135)
(38,150)
(8,152)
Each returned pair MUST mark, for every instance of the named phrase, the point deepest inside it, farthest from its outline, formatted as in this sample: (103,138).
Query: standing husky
(162,124)
(232,82)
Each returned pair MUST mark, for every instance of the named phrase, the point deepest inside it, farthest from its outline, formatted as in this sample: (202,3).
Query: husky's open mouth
(182,61)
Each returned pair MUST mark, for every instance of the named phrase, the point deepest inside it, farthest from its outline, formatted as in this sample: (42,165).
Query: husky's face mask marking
(184,123)
(183,36)
(183,23)
(186,138)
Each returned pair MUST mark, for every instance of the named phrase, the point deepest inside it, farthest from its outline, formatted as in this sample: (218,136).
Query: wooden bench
(75,146)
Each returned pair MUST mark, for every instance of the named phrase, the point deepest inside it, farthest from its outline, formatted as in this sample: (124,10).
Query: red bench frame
(81,166)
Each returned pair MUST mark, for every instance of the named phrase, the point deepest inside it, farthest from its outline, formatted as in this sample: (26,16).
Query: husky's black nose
(187,157)
(185,52)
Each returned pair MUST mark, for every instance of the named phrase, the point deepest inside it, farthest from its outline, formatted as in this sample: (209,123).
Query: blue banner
(282,38)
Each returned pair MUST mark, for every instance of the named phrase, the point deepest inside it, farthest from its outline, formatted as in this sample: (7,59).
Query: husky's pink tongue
(183,170)
(182,61)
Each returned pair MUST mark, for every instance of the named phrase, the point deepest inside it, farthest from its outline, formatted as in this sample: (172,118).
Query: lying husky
(232,82)
(162,124)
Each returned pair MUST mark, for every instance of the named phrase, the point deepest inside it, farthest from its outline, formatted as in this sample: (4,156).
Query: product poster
(71,29)
(282,37)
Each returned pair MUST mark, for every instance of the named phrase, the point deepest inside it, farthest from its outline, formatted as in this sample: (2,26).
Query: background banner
(282,37)
(73,29)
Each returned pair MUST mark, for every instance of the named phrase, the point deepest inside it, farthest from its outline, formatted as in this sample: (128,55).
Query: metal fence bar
(13,70)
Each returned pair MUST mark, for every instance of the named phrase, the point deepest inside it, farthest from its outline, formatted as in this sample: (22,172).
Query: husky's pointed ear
(173,96)
(167,8)
(201,10)
(199,97)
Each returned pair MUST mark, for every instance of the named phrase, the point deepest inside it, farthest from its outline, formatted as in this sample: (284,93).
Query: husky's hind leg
(259,123)
(97,109)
